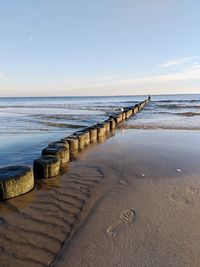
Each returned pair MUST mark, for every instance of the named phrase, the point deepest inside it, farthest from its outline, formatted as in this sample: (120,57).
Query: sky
(99,47)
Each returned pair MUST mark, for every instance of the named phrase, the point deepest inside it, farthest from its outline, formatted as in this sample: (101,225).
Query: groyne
(58,153)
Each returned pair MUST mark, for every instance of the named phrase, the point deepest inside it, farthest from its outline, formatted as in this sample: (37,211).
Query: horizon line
(51,96)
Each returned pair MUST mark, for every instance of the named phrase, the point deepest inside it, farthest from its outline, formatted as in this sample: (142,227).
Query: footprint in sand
(192,190)
(177,198)
(128,216)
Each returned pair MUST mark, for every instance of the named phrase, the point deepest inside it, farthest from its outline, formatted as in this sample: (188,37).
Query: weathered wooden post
(15,181)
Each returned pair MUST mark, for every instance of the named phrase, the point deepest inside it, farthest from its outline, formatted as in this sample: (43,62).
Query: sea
(28,124)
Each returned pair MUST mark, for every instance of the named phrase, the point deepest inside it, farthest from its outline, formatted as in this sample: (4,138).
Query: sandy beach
(99,133)
(132,200)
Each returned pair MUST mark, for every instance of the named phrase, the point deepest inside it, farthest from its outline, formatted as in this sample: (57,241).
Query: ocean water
(28,124)
(172,112)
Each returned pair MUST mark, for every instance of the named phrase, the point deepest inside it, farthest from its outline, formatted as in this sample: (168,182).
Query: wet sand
(35,226)
(131,201)
(149,210)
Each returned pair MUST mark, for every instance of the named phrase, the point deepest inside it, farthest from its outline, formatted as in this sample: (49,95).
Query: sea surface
(28,124)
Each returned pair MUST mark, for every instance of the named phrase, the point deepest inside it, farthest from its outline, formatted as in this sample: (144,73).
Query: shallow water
(180,112)
(28,124)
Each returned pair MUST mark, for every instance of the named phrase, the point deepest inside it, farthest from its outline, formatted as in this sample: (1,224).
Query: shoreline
(20,179)
(78,208)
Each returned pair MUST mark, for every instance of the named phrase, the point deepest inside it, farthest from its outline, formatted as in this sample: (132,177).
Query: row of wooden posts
(18,180)
(65,149)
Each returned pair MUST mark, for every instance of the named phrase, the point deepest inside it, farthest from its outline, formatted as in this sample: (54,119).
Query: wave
(34,106)
(63,106)
(177,101)
(170,106)
(86,106)
(63,116)
(178,106)
(156,127)
(62,125)
(189,114)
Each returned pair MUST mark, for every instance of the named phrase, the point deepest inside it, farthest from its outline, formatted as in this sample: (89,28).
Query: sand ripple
(34,227)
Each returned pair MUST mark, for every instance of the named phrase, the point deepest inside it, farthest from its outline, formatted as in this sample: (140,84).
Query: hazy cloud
(184,80)
(88,81)
(189,73)
(105,77)
(173,62)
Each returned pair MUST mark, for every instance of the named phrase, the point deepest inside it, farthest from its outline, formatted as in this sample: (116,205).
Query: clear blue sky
(99,47)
